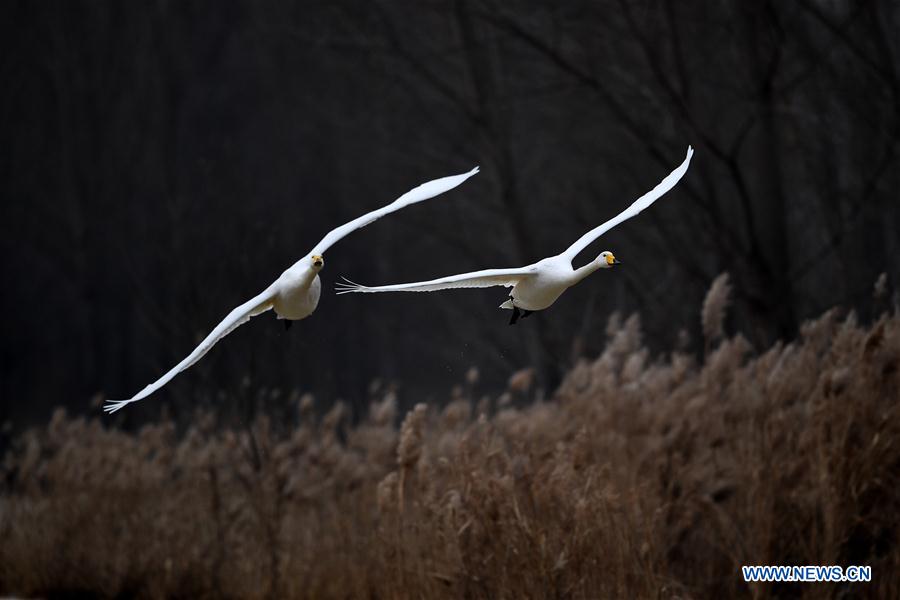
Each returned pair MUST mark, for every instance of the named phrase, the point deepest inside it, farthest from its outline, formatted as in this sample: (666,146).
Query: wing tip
(112,406)
(347,286)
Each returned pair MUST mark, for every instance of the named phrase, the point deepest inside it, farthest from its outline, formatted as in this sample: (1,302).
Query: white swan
(295,294)
(537,286)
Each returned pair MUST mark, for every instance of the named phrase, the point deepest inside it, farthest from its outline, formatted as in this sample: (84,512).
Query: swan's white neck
(586,270)
(309,275)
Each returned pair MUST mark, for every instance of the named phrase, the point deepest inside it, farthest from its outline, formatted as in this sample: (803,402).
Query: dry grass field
(641,477)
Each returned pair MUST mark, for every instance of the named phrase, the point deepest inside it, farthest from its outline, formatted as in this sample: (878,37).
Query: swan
(536,286)
(295,294)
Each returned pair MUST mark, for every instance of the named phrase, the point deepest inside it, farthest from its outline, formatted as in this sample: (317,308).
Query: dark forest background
(163,161)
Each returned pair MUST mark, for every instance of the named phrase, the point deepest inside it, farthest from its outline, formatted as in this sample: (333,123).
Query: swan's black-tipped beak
(616,261)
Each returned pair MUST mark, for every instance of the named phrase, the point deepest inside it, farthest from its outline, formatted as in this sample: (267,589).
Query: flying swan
(295,294)
(536,286)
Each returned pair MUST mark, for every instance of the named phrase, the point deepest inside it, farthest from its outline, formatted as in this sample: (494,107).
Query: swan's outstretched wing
(640,204)
(476,279)
(423,192)
(235,318)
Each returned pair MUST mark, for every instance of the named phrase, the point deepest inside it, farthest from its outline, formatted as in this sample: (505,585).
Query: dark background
(163,161)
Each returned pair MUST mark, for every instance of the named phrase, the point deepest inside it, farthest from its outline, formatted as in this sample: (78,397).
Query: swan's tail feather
(508,304)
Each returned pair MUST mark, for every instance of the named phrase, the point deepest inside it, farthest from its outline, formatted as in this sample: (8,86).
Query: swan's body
(552,276)
(295,294)
(298,293)
(539,285)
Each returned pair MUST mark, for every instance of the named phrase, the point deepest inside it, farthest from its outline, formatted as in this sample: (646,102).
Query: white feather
(235,319)
(632,211)
(423,192)
(476,279)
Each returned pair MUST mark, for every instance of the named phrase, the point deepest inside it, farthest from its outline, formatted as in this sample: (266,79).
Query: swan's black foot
(287,324)
(519,314)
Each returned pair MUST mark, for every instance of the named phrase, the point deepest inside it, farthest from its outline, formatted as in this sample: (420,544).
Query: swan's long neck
(299,277)
(586,270)
(309,276)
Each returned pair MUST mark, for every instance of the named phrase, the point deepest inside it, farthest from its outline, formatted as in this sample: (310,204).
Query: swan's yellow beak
(318,261)
(611,260)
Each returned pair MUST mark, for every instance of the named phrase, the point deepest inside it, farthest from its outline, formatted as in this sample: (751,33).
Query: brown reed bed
(640,477)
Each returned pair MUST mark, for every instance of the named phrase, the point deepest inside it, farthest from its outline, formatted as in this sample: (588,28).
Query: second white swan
(295,294)
(536,286)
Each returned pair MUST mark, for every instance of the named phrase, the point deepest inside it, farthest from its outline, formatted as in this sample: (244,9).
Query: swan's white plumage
(235,319)
(632,211)
(475,279)
(423,192)
(295,294)
(537,286)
